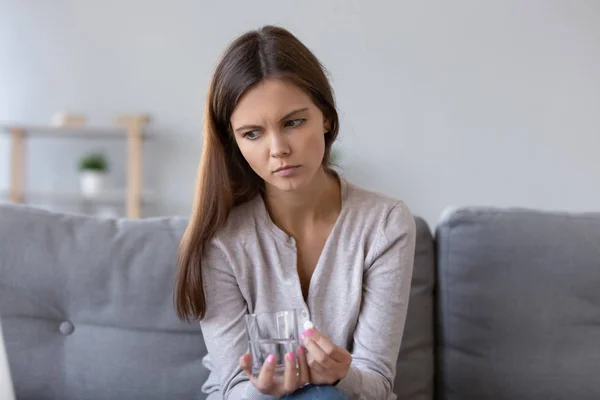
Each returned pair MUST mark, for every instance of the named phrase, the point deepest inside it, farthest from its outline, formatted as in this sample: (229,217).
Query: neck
(299,211)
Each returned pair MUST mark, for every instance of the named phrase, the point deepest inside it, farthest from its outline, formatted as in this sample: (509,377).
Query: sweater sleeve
(385,294)
(223,326)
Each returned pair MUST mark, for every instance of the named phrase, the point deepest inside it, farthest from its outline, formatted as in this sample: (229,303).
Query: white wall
(442,103)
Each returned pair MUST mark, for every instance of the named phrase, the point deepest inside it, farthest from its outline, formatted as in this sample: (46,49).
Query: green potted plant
(93,168)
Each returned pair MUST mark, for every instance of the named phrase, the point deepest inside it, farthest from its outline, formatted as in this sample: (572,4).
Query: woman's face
(281,133)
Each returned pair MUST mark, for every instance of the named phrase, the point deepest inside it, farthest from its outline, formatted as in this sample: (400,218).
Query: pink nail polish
(271,359)
(290,356)
(309,332)
(302,336)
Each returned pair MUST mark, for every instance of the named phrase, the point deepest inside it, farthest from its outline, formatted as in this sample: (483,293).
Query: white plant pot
(91,182)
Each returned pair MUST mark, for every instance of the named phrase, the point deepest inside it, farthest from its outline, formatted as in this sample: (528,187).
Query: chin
(287,185)
(290,185)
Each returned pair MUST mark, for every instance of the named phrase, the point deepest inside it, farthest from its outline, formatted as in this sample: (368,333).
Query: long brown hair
(224,177)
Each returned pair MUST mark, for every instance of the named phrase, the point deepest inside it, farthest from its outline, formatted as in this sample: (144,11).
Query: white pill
(308,325)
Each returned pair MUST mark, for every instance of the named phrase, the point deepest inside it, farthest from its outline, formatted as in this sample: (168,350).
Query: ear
(326,126)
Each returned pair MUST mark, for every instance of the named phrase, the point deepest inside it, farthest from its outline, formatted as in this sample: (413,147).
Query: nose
(280,146)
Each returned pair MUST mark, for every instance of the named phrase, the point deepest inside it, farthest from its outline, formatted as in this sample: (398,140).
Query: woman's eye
(295,122)
(250,135)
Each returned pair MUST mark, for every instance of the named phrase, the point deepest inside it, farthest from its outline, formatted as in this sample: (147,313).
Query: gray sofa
(505,304)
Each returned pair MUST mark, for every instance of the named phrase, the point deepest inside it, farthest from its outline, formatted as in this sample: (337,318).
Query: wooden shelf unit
(130,128)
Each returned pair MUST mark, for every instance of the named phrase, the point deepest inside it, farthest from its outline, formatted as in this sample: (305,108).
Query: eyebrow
(286,116)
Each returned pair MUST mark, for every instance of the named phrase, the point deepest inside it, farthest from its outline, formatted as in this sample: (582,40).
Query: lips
(285,168)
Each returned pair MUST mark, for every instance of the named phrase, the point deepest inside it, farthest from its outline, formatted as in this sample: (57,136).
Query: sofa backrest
(518,299)
(416,362)
(87,310)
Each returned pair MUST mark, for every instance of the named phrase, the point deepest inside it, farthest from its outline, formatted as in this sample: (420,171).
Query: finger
(290,377)
(246,363)
(317,354)
(315,367)
(265,377)
(324,343)
(318,374)
(304,372)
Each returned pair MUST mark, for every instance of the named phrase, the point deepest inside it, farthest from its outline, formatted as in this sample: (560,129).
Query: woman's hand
(293,377)
(328,363)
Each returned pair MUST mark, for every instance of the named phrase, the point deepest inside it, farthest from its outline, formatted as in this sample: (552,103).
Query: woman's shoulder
(362,201)
(379,219)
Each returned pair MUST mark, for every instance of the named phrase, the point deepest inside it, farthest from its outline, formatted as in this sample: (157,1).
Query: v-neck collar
(281,235)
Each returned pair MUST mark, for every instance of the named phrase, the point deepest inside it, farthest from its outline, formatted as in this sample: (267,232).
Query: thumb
(309,330)
(310,334)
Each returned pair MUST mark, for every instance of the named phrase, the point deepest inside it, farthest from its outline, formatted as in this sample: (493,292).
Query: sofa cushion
(87,308)
(416,364)
(518,305)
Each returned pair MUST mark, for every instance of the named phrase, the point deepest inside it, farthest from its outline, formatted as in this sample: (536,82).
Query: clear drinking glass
(272,333)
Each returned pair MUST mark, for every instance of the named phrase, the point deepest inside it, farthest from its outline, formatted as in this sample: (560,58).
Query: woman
(274,227)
